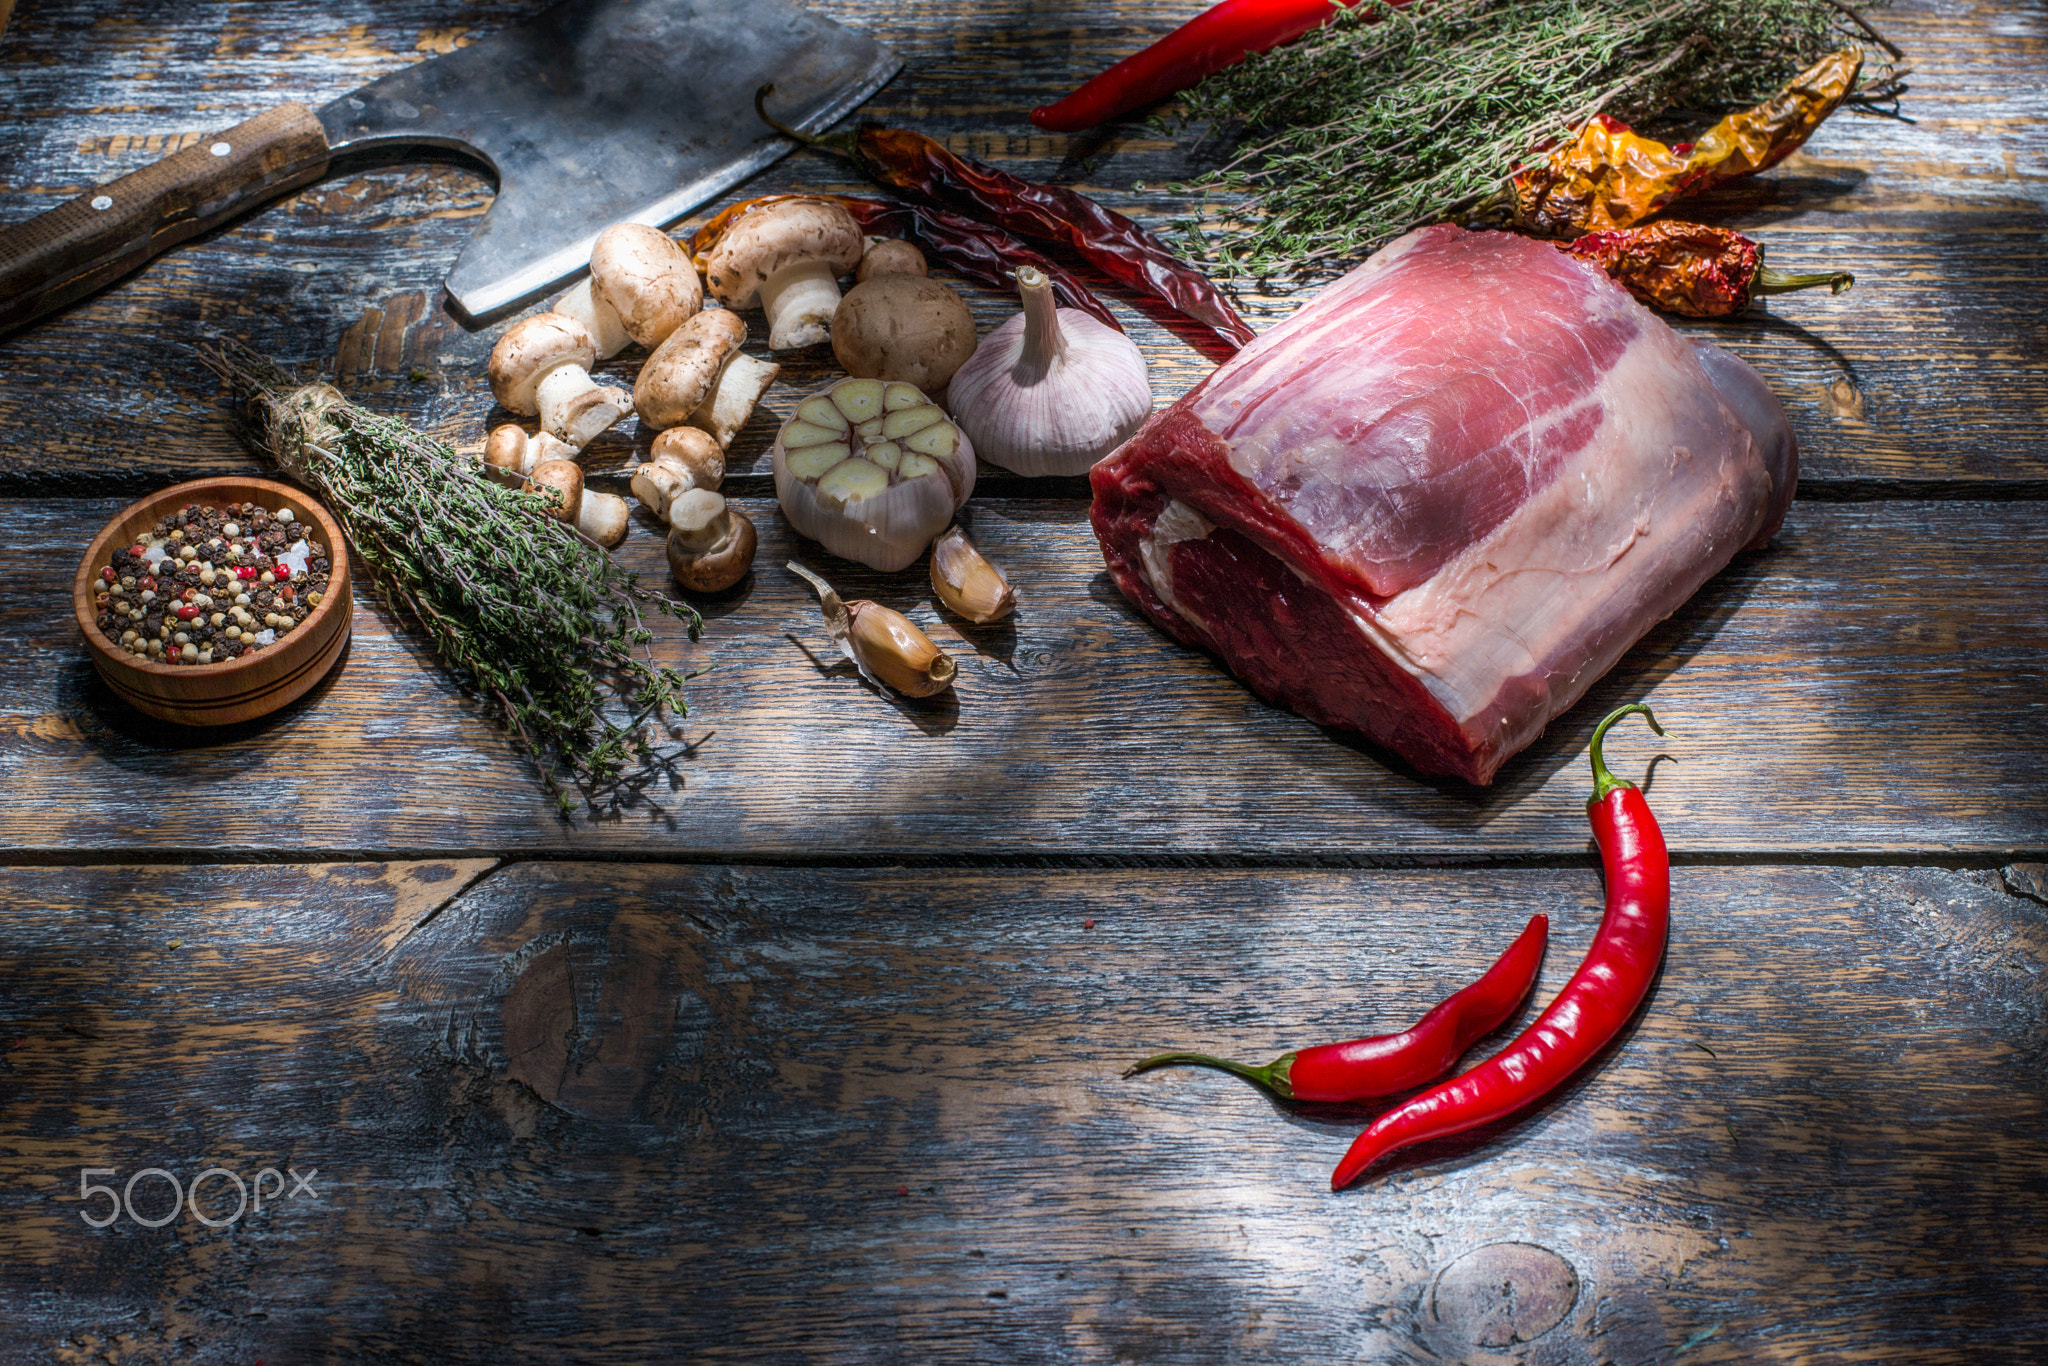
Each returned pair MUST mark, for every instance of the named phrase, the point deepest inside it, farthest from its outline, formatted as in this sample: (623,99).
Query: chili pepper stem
(1605,782)
(839,144)
(1271,1078)
(1770,281)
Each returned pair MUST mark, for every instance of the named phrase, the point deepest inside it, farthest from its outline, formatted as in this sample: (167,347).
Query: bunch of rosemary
(541,621)
(1385,118)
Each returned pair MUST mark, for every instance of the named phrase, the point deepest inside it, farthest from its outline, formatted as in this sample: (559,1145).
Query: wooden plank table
(812,1054)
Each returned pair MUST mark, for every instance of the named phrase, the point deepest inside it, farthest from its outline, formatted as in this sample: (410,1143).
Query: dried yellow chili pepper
(1609,177)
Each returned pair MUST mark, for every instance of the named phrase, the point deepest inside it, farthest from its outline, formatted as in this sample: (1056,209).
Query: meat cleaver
(591,113)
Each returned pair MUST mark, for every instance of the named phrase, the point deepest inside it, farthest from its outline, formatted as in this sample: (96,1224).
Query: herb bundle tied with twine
(1386,118)
(540,621)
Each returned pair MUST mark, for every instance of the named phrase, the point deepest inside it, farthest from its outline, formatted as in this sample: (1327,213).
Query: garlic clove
(802,433)
(1052,390)
(858,399)
(864,496)
(896,652)
(966,582)
(852,481)
(821,411)
(886,646)
(904,421)
(810,463)
(939,442)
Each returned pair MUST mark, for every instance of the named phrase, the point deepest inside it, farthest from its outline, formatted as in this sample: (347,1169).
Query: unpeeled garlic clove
(1052,390)
(966,582)
(883,644)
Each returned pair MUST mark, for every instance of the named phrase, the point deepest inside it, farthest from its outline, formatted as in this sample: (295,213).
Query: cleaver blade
(589,114)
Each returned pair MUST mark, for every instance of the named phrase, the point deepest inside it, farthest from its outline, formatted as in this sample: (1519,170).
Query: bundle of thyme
(541,621)
(1386,118)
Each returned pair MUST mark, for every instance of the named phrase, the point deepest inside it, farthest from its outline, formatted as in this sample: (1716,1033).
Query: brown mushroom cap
(777,235)
(889,256)
(682,369)
(565,476)
(505,447)
(647,278)
(903,327)
(529,350)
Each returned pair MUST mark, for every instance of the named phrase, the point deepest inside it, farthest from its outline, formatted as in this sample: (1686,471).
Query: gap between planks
(1150,860)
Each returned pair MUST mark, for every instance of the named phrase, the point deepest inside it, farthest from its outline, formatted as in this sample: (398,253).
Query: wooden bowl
(234,689)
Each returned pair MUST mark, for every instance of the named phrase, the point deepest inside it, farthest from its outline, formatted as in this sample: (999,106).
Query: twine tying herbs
(1387,118)
(542,622)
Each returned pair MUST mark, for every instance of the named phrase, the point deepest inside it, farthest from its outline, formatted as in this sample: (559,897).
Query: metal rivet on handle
(103,201)
(220,149)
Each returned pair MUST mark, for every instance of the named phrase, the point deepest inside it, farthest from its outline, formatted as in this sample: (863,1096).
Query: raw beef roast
(1443,498)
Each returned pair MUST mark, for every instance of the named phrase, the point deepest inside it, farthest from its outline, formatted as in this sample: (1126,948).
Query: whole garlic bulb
(1052,390)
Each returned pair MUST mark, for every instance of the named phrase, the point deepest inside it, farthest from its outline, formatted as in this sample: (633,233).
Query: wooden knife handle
(95,239)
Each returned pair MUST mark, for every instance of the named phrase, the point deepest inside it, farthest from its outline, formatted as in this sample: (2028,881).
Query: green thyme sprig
(1386,118)
(543,623)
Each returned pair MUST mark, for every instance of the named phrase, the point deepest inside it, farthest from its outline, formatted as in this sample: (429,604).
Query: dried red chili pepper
(1693,269)
(1593,1006)
(1217,38)
(1609,177)
(1115,245)
(982,253)
(1387,1063)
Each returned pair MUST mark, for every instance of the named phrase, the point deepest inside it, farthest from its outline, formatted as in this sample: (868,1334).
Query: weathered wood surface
(1933,372)
(1875,682)
(632,1113)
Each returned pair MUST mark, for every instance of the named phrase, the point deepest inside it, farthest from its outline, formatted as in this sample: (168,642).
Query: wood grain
(619,1113)
(1932,373)
(1871,684)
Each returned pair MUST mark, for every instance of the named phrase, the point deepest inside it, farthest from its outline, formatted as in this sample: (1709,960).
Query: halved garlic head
(872,470)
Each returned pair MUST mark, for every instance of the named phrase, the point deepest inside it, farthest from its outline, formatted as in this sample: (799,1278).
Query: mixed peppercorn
(207,585)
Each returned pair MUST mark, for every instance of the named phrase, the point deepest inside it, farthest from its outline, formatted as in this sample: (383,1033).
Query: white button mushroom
(541,365)
(641,287)
(600,516)
(791,253)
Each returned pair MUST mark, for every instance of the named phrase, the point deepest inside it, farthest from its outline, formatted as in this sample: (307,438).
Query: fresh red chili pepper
(1115,245)
(1387,1063)
(1206,44)
(1593,1006)
(1693,269)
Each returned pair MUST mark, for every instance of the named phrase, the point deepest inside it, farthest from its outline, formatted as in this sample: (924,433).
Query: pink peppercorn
(107,574)
(187,612)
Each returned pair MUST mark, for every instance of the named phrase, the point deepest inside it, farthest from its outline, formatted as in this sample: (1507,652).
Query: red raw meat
(1442,499)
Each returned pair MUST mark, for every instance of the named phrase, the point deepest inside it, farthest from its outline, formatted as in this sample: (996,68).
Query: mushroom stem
(575,407)
(599,318)
(799,300)
(740,384)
